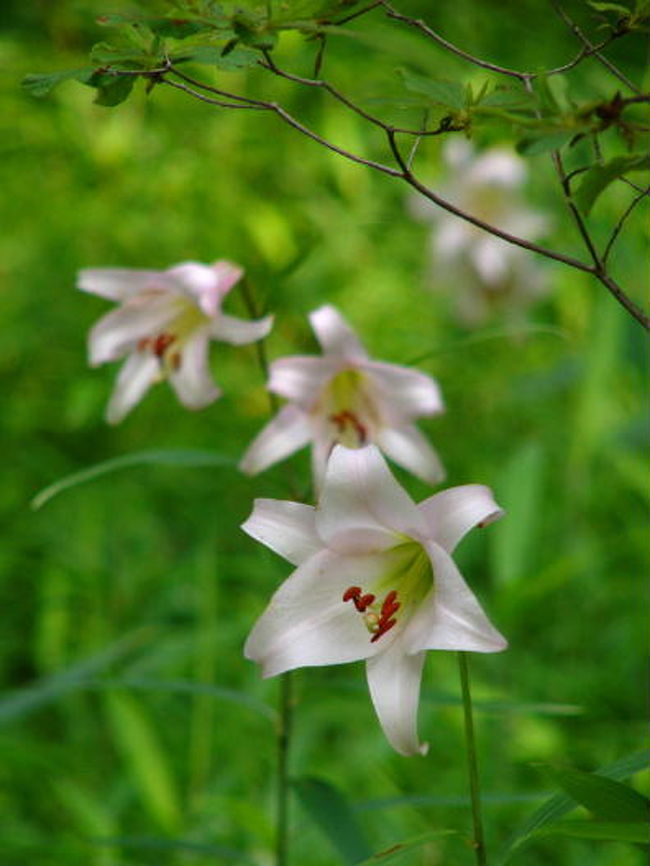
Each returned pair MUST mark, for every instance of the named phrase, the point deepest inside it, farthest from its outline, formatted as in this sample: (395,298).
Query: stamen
(352,592)
(161,343)
(377,623)
(346,417)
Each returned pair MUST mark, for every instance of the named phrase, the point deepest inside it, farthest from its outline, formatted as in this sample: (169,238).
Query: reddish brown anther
(361,602)
(383,626)
(161,343)
(345,417)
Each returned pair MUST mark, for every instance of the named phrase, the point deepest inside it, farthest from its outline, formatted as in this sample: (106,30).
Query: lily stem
(472,762)
(284,741)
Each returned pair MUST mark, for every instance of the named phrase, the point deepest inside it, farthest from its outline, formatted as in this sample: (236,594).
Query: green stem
(284,740)
(286,690)
(472,763)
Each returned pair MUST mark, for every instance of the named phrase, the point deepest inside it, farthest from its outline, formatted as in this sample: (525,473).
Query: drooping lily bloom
(374,580)
(163,327)
(344,397)
(484,271)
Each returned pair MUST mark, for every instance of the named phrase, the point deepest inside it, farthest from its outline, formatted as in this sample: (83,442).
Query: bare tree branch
(594,49)
(619,225)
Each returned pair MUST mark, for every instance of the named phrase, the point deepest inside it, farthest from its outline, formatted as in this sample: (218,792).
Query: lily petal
(138,374)
(193,381)
(288,528)
(451,513)
(307,623)
(206,284)
(287,432)
(334,334)
(230,329)
(119,284)
(117,332)
(407,392)
(411,449)
(450,617)
(362,507)
(394,683)
(301,377)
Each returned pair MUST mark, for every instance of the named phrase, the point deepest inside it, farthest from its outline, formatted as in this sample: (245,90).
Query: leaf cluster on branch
(536,110)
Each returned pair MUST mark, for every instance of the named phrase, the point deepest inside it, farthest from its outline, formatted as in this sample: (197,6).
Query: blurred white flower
(482,270)
(344,397)
(374,580)
(163,327)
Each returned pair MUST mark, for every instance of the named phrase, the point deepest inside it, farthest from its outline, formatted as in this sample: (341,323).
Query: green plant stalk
(284,742)
(286,692)
(472,762)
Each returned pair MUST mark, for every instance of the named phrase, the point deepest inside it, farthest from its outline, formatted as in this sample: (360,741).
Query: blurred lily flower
(374,580)
(484,270)
(163,327)
(344,397)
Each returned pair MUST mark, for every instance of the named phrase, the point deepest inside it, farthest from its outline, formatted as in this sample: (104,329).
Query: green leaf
(542,142)
(450,94)
(599,177)
(401,849)
(509,97)
(111,89)
(42,85)
(605,798)
(19,703)
(137,741)
(609,7)
(176,457)
(521,488)
(614,831)
(332,813)
(560,804)
(239,57)
(178,28)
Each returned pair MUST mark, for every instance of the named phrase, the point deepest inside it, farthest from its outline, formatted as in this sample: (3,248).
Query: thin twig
(405,173)
(619,225)
(319,83)
(595,50)
(424,28)
(288,118)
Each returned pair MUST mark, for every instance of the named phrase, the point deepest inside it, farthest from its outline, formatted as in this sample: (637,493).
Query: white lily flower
(374,580)
(163,326)
(344,397)
(484,269)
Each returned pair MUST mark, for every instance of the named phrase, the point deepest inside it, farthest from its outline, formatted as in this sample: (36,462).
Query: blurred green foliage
(133,731)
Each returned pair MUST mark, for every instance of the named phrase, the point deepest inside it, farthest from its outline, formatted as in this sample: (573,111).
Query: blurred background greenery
(132,730)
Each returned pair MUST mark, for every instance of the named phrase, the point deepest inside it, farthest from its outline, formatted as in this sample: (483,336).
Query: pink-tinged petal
(411,450)
(119,284)
(394,683)
(288,528)
(404,392)
(137,375)
(230,329)
(334,334)
(450,617)
(492,258)
(321,449)
(307,623)
(497,168)
(206,284)
(118,332)
(451,238)
(287,432)
(451,513)
(192,380)
(362,506)
(301,378)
